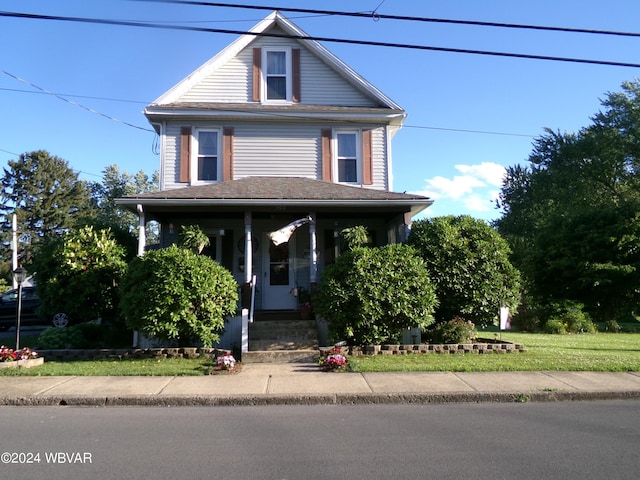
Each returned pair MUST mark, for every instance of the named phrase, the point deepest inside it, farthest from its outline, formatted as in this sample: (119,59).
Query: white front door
(278,276)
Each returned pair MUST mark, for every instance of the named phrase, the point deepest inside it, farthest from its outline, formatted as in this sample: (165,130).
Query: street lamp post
(19,274)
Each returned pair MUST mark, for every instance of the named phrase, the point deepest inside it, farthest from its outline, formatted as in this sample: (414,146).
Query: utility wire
(377,16)
(271,114)
(73,96)
(71,102)
(320,39)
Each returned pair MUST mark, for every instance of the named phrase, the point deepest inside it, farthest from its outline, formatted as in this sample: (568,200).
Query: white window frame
(195,156)
(288,75)
(335,157)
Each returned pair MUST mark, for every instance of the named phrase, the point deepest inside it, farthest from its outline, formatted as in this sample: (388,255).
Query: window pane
(208,143)
(208,168)
(347,171)
(347,145)
(276,88)
(276,63)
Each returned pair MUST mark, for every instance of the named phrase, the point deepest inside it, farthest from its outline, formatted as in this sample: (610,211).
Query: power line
(320,39)
(270,114)
(73,96)
(378,16)
(71,102)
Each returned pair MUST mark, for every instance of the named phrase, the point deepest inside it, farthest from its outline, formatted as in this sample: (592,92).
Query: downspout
(142,235)
(160,128)
(313,247)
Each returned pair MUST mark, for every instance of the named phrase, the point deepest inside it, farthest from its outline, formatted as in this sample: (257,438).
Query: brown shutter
(326,154)
(227,154)
(185,154)
(257,73)
(295,67)
(367,161)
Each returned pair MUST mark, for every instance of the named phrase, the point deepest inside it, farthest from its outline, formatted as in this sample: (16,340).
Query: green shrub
(612,326)
(469,263)
(457,330)
(555,326)
(83,335)
(175,294)
(370,294)
(568,317)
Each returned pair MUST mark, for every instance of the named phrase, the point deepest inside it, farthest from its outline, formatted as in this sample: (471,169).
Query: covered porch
(241,216)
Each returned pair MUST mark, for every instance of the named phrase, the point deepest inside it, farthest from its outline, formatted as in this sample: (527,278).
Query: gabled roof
(275,19)
(283,191)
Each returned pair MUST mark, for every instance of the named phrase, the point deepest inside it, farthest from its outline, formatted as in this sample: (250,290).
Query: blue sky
(447,96)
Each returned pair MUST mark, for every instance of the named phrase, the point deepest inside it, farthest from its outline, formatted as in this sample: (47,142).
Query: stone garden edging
(124,353)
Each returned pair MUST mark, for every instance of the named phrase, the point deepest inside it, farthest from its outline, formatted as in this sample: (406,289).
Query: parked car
(29,313)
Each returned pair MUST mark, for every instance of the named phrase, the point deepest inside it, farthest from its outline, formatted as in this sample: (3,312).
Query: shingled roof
(264,190)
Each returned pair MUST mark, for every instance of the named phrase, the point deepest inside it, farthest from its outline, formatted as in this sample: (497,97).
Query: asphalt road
(564,440)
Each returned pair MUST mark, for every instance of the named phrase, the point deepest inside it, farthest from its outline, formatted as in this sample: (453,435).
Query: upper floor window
(276,75)
(347,165)
(206,167)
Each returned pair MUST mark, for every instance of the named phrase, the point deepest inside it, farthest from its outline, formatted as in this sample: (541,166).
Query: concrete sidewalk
(304,384)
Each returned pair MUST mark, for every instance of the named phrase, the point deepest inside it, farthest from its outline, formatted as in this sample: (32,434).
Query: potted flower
(304,302)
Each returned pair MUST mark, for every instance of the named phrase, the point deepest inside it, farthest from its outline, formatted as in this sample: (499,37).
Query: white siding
(320,84)
(274,150)
(232,83)
(277,150)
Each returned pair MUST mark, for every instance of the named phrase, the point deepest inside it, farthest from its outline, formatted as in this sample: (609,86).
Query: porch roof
(265,191)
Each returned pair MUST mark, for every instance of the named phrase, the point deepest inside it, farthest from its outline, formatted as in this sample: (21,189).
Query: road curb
(315,399)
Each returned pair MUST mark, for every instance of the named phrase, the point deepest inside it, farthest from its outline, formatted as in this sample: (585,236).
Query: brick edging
(481,346)
(122,353)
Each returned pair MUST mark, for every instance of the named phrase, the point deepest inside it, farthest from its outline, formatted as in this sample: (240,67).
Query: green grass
(144,367)
(599,352)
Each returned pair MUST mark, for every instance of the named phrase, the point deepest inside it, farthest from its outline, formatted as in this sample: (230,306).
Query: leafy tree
(370,294)
(44,193)
(175,294)
(78,274)
(192,236)
(571,214)
(116,184)
(469,264)
(355,236)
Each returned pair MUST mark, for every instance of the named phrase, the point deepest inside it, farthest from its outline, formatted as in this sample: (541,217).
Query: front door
(278,276)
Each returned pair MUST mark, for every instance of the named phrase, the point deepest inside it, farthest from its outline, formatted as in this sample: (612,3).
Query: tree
(176,294)
(192,236)
(78,274)
(116,184)
(370,294)
(571,215)
(44,193)
(469,264)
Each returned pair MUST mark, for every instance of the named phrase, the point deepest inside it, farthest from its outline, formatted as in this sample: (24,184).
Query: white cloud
(490,172)
(473,191)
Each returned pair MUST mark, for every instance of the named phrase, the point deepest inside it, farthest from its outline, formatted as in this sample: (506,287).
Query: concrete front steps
(281,338)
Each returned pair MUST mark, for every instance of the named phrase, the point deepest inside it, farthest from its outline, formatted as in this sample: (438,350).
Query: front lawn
(598,352)
(603,352)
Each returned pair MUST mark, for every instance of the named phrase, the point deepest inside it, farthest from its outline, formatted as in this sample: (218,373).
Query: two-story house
(273,129)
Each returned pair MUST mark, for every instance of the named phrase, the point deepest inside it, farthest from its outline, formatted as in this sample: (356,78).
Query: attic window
(276,75)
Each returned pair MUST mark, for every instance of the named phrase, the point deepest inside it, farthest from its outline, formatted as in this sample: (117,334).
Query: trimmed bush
(370,294)
(469,263)
(457,330)
(176,295)
(83,335)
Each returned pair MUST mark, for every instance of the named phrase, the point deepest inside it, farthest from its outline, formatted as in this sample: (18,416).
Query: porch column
(142,236)
(313,248)
(248,248)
